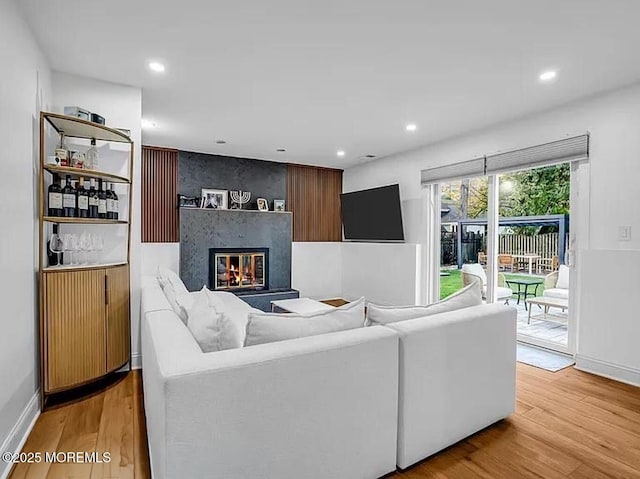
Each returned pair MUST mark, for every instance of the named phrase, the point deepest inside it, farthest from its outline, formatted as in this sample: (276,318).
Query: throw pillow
(271,327)
(204,324)
(173,288)
(465,298)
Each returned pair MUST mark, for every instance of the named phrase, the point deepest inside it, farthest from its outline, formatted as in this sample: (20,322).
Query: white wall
(316,269)
(24,90)
(612,119)
(382,273)
(121,106)
(153,255)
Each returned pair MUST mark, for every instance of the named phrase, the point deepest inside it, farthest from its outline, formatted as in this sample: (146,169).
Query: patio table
(523,288)
(529,258)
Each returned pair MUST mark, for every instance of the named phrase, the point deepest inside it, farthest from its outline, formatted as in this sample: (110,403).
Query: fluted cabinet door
(118,337)
(74,327)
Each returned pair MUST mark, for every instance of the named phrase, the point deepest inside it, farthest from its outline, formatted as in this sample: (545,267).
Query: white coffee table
(547,302)
(300,306)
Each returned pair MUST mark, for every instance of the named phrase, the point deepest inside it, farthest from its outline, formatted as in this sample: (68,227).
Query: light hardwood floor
(568,424)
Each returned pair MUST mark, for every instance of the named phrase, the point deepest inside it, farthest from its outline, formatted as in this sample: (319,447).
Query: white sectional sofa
(315,407)
(457,376)
(351,404)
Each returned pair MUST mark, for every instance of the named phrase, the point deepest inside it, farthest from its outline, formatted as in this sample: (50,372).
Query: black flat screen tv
(373,215)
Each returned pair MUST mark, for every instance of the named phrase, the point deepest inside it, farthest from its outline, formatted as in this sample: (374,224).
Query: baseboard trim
(136,361)
(20,432)
(616,372)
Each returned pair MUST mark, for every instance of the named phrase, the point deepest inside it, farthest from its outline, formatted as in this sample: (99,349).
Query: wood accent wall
(313,196)
(159,195)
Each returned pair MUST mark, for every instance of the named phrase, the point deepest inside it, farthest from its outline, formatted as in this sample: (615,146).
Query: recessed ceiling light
(548,75)
(281,150)
(411,127)
(221,142)
(340,153)
(156,67)
(147,124)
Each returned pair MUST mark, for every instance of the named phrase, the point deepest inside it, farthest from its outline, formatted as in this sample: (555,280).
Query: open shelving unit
(85,326)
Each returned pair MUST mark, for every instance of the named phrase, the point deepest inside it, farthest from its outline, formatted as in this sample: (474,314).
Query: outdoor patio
(551,327)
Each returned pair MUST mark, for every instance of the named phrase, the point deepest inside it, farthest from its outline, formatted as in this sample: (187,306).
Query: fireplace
(234,269)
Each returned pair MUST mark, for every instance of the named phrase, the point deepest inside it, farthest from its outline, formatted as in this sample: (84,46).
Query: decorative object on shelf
(216,199)
(95,118)
(62,152)
(263,204)
(189,201)
(53,160)
(239,198)
(278,205)
(77,112)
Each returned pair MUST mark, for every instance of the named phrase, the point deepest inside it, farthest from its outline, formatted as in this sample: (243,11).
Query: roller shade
(561,151)
(456,171)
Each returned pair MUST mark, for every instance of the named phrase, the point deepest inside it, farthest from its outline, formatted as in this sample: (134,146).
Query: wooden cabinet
(86,325)
(75,322)
(85,330)
(117,326)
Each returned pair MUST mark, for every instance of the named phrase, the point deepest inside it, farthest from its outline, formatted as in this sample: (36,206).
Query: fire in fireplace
(238,268)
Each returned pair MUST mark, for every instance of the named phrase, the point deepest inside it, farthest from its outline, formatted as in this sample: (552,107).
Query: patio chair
(548,264)
(475,272)
(556,284)
(506,261)
(482,257)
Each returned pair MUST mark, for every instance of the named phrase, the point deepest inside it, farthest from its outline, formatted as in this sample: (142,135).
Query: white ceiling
(315,76)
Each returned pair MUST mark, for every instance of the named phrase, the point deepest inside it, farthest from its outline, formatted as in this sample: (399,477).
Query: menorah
(239,198)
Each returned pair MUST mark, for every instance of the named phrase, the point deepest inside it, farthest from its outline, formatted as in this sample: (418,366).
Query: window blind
(566,150)
(456,171)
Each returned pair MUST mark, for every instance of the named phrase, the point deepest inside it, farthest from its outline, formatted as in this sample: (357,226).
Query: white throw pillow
(212,329)
(173,288)
(563,277)
(465,298)
(270,327)
(236,315)
(477,270)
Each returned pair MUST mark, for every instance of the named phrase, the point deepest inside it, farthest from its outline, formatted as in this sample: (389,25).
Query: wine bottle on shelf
(102,201)
(82,199)
(116,205)
(55,197)
(62,152)
(92,156)
(54,251)
(110,215)
(68,199)
(93,199)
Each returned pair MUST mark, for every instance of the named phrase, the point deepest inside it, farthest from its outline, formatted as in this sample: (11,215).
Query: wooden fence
(546,245)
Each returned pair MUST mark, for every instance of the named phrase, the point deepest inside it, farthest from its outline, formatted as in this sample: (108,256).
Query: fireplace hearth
(238,269)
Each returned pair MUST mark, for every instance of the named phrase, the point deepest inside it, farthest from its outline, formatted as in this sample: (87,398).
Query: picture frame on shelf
(263,204)
(278,206)
(214,199)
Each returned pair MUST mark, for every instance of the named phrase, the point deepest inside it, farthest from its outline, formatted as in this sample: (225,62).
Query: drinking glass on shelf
(98,246)
(68,241)
(85,246)
(56,245)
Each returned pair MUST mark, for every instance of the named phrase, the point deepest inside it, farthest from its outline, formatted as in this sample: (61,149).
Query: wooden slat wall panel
(313,196)
(75,328)
(159,195)
(118,337)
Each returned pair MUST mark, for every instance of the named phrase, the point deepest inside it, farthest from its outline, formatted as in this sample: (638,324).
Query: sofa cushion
(563,277)
(173,288)
(212,329)
(236,314)
(556,293)
(270,327)
(465,298)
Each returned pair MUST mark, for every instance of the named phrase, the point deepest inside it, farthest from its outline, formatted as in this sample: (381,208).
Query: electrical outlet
(624,233)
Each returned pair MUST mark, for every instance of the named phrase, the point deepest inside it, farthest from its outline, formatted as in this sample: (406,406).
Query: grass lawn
(452,283)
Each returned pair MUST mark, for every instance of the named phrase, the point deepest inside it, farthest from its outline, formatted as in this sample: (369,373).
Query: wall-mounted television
(373,215)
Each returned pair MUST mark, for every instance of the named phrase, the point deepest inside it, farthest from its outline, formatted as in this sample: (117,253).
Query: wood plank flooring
(567,424)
